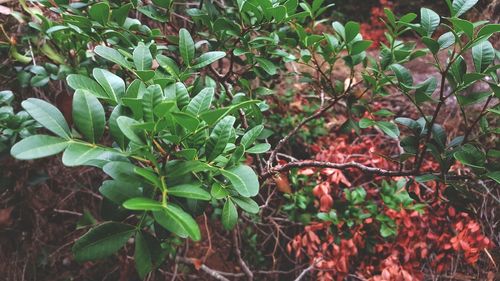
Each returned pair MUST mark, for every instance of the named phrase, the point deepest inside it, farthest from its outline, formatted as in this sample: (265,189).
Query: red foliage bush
(430,237)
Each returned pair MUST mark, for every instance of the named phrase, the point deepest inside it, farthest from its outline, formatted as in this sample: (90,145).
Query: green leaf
(219,137)
(229,215)
(429,20)
(120,15)
(38,146)
(148,253)
(112,84)
(142,255)
(471,156)
(142,57)
(163,108)
(176,220)
(186,46)
(77,154)
(446,40)
(207,59)
(389,128)
(351,31)
(360,46)
(177,168)
(402,74)
(102,241)
(201,102)
(142,204)
(114,129)
(187,121)
(126,125)
(189,190)
(85,84)
(494,176)
(152,97)
(267,65)
(462,25)
(218,191)
(251,135)
(483,55)
(119,191)
(100,12)
(259,148)
(165,4)
(123,171)
(168,64)
(88,116)
(243,179)
(181,94)
(247,204)
(459,7)
(366,123)
(424,91)
(112,55)
(488,30)
(48,116)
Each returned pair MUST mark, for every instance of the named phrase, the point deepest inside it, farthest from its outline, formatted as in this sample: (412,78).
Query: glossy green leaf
(243,179)
(360,46)
(247,204)
(494,176)
(114,129)
(102,241)
(168,64)
(100,12)
(176,220)
(126,125)
(187,121)
(119,191)
(388,128)
(85,84)
(186,46)
(267,65)
(402,74)
(201,102)
(251,135)
(112,55)
(142,57)
(207,59)
(488,30)
(188,190)
(459,7)
(483,55)
(142,255)
(219,137)
(259,148)
(112,84)
(429,20)
(78,154)
(471,156)
(48,116)
(351,31)
(88,116)
(38,146)
(142,204)
(229,215)
(152,97)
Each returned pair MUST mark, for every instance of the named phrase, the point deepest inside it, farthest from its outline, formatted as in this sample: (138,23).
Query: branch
(354,165)
(244,266)
(214,273)
(284,140)
(338,166)
(311,267)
